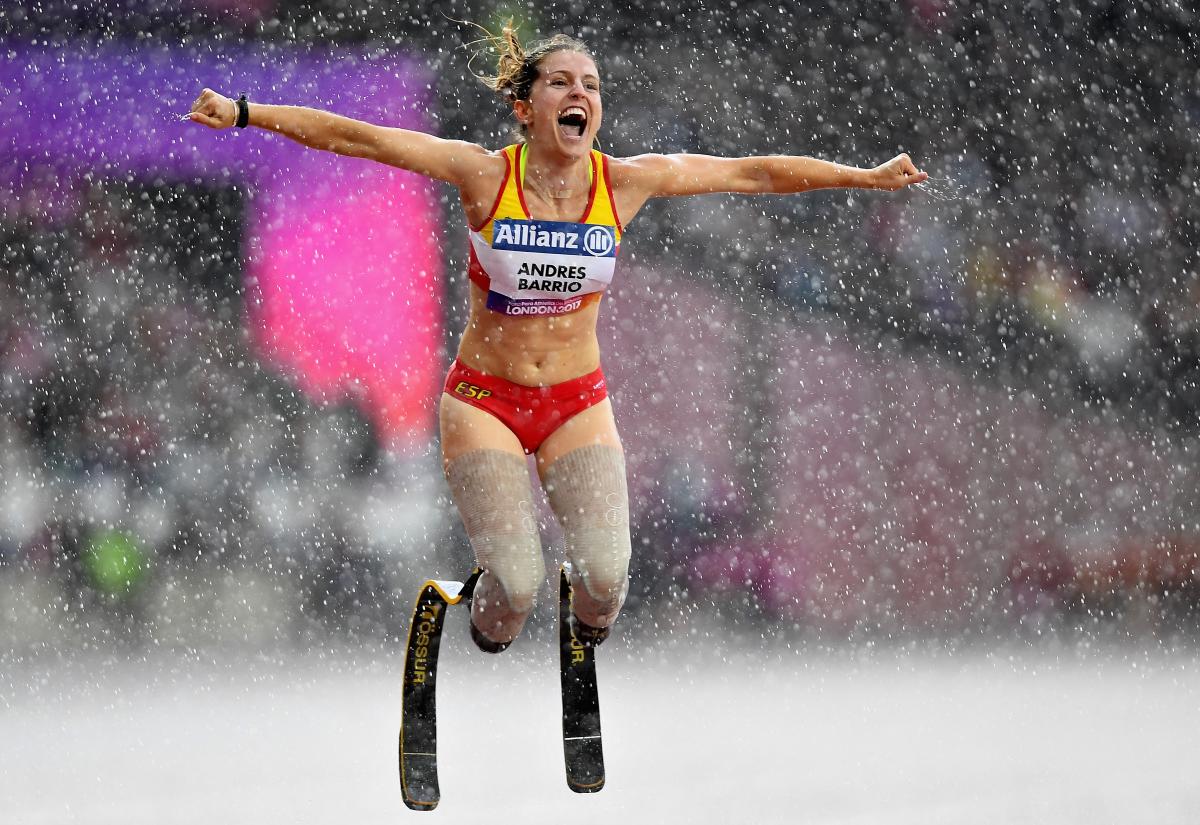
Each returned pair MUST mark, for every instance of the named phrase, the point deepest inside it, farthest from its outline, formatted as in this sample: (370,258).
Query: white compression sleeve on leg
(492,492)
(590,497)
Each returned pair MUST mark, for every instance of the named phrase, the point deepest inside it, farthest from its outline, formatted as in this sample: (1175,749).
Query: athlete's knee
(600,595)
(519,586)
(496,617)
(606,583)
(506,597)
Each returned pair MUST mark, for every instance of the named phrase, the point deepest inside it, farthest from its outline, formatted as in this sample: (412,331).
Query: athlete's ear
(523,110)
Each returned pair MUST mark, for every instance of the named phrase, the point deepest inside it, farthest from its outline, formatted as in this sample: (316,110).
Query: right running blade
(582,746)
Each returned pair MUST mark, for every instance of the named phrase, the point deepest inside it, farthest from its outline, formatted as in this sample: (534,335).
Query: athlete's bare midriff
(532,351)
(535,352)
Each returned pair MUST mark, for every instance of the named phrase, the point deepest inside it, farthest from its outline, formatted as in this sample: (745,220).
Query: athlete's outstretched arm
(452,161)
(656,176)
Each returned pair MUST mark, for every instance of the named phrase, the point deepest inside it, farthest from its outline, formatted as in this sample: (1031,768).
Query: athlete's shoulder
(472,155)
(638,169)
(483,170)
(490,157)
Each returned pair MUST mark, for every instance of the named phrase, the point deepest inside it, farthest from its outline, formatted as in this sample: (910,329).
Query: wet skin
(537,351)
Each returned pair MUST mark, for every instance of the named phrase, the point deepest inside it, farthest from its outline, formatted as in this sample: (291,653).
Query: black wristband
(243,112)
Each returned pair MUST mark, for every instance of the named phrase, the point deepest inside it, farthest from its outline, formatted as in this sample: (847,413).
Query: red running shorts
(532,413)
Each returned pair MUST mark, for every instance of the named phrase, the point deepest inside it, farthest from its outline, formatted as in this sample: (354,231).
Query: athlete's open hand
(896,174)
(213,110)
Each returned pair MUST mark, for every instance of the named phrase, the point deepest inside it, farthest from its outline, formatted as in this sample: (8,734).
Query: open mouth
(572,122)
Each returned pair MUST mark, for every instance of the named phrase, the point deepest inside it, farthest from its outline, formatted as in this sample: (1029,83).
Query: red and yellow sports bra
(532,267)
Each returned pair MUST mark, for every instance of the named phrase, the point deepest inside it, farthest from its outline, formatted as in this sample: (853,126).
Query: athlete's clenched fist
(896,173)
(213,110)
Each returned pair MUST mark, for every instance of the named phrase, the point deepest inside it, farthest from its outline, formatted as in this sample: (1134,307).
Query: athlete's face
(564,107)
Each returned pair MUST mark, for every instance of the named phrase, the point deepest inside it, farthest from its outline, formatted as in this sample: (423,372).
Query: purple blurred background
(326,237)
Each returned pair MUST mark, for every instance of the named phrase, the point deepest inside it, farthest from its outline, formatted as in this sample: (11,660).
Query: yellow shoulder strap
(508,199)
(604,209)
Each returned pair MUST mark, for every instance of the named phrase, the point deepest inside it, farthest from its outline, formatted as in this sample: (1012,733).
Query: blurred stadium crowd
(974,405)
(140,432)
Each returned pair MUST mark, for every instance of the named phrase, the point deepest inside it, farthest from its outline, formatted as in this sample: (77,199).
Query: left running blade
(418,718)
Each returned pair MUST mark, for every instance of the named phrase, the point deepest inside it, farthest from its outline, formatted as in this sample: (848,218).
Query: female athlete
(545,218)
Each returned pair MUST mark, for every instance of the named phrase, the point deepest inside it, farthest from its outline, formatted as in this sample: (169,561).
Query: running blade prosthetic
(418,714)
(582,745)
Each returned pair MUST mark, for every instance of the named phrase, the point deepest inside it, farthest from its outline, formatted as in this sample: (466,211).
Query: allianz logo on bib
(555,237)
